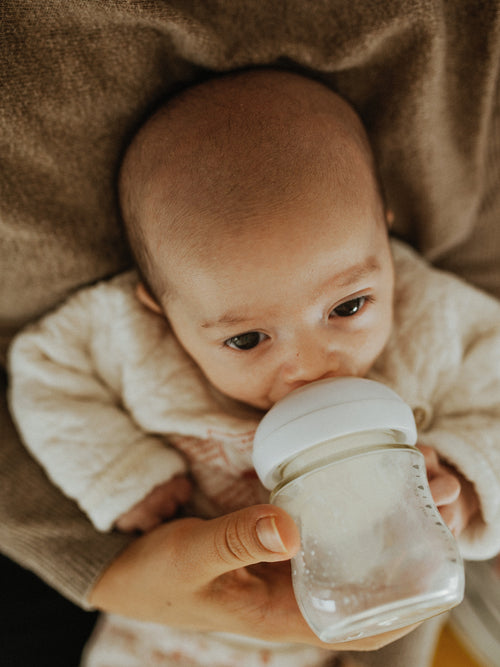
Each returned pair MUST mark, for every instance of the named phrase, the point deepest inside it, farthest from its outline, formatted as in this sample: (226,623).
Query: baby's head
(252,206)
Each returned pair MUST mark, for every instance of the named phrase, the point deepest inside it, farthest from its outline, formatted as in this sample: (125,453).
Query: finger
(445,488)
(137,519)
(178,489)
(431,459)
(453,518)
(261,533)
(183,489)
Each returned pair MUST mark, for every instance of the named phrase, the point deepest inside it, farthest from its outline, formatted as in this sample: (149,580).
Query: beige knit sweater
(101,389)
(76,79)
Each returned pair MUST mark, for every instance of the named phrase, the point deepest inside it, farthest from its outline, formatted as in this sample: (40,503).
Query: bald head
(208,162)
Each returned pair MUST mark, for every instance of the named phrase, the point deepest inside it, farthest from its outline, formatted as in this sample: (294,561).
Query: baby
(253,209)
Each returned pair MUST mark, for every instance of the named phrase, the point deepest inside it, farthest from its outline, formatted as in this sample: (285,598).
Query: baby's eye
(245,341)
(351,307)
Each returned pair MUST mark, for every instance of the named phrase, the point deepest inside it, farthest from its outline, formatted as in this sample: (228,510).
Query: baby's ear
(147,299)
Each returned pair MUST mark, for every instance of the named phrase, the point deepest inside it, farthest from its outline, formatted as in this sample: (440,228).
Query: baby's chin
(255,405)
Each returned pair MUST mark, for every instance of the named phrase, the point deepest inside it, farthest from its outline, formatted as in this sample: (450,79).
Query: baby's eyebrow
(353,273)
(225,320)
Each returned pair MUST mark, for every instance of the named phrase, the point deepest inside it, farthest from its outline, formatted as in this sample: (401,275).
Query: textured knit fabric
(111,405)
(117,641)
(127,643)
(78,76)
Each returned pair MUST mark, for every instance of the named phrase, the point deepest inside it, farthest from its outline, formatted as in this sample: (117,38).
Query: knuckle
(231,541)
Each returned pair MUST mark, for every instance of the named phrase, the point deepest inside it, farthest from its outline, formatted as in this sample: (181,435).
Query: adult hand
(455,496)
(229,574)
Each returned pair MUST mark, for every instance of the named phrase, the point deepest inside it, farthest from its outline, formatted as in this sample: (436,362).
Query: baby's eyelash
(352,306)
(245,341)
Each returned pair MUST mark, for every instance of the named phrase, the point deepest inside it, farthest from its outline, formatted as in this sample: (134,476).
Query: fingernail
(269,536)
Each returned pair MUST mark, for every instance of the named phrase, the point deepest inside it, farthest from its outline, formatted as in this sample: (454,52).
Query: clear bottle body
(375,554)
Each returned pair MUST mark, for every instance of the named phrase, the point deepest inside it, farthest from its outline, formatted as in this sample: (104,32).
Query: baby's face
(308,295)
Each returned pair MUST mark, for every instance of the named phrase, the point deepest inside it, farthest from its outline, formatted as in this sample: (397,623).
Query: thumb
(260,533)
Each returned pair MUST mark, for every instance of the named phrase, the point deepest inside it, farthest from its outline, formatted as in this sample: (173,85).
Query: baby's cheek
(240,388)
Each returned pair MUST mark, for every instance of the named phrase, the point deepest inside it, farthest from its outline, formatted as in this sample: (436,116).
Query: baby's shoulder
(95,311)
(105,299)
(436,311)
(121,285)
(419,282)
(115,308)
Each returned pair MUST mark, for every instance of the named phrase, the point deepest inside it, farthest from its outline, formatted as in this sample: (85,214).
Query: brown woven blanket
(77,76)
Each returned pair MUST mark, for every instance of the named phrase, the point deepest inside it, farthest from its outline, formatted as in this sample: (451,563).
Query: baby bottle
(339,456)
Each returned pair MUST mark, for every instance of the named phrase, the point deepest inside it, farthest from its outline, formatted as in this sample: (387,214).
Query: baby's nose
(310,363)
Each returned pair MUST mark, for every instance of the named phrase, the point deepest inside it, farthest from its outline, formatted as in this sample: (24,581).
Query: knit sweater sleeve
(66,377)
(465,430)
(445,361)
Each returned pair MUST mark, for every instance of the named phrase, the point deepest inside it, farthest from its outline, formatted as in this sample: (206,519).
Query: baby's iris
(245,341)
(350,307)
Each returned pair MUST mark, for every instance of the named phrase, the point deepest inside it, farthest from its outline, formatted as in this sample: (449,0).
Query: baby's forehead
(228,149)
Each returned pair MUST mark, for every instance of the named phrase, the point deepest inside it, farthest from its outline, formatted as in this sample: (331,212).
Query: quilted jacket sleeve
(445,360)
(66,382)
